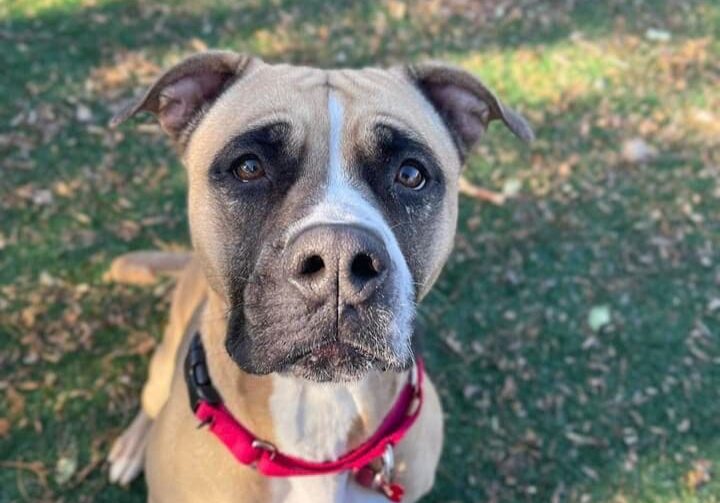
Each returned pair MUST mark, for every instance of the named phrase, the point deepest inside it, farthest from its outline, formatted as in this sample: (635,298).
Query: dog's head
(322,203)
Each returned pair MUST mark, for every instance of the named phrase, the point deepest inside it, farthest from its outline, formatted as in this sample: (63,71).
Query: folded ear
(465,104)
(180,94)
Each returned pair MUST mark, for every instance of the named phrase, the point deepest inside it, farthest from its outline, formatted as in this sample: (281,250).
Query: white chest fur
(314,421)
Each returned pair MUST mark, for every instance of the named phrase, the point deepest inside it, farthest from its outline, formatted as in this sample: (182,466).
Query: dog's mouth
(313,347)
(334,361)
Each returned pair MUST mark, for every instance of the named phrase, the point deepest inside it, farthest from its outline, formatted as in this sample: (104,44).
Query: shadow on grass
(342,33)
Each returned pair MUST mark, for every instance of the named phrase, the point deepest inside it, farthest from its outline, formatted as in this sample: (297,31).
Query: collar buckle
(379,476)
(388,463)
(414,379)
(264,446)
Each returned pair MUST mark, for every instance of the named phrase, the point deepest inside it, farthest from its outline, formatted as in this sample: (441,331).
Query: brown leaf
(16,402)
(698,475)
(128,230)
(4,427)
(29,385)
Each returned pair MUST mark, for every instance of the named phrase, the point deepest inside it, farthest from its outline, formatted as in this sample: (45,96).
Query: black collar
(197,376)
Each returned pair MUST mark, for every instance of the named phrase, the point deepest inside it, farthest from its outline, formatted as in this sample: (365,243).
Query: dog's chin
(335,362)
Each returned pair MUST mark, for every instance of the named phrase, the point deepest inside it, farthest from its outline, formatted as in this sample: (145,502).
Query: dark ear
(465,104)
(179,95)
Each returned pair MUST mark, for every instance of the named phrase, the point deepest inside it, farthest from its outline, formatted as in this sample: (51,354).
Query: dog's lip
(330,350)
(337,349)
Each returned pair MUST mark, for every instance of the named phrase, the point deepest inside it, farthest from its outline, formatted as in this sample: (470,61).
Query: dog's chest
(315,422)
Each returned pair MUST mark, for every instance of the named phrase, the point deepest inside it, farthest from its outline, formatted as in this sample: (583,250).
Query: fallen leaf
(83,113)
(65,468)
(16,402)
(638,151)
(4,427)
(698,475)
(512,187)
(599,317)
(43,197)
(656,35)
(684,426)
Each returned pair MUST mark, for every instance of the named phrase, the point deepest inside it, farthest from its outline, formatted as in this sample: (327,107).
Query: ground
(574,333)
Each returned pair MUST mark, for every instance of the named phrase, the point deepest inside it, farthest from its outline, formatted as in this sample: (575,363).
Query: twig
(480,193)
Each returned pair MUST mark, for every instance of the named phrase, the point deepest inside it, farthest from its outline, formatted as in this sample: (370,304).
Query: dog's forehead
(299,96)
(371,96)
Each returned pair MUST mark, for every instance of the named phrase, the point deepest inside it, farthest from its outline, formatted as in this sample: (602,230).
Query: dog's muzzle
(324,305)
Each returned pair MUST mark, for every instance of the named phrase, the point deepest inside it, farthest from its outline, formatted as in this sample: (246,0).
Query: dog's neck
(311,420)
(318,421)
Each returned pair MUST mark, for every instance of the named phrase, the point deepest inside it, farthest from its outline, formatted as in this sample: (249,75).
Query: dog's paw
(127,454)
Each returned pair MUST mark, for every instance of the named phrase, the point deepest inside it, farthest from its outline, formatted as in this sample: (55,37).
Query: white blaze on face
(344,203)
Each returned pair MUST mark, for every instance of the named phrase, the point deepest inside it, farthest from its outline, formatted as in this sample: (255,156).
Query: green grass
(539,406)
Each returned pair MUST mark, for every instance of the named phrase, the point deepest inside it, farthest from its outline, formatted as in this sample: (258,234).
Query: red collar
(371,462)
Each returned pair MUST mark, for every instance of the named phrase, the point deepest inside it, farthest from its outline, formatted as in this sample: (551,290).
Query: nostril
(364,267)
(312,265)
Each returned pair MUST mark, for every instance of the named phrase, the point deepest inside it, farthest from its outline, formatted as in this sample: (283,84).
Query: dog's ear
(465,104)
(180,94)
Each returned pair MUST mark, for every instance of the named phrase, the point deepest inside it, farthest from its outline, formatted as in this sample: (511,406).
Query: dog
(322,208)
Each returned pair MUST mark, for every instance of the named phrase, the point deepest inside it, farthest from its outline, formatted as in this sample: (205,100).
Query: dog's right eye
(248,168)
(409,175)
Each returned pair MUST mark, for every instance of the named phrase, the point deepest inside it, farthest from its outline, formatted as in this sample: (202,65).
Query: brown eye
(410,176)
(248,168)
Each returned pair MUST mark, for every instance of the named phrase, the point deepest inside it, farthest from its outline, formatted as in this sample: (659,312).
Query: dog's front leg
(127,455)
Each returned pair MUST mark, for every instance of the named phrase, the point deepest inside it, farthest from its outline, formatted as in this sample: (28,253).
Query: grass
(540,406)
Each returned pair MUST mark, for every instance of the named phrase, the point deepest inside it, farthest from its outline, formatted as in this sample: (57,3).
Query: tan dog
(322,208)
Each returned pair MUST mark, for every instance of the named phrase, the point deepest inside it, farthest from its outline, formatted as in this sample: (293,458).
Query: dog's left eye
(248,168)
(409,175)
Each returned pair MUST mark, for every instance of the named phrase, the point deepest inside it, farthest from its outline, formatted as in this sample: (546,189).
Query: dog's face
(322,203)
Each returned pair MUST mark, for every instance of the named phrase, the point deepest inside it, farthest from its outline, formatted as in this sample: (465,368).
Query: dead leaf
(4,427)
(16,402)
(598,317)
(43,197)
(699,474)
(65,468)
(684,426)
(638,151)
(83,113)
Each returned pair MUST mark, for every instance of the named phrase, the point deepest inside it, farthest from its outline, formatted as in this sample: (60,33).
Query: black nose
(342,262)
